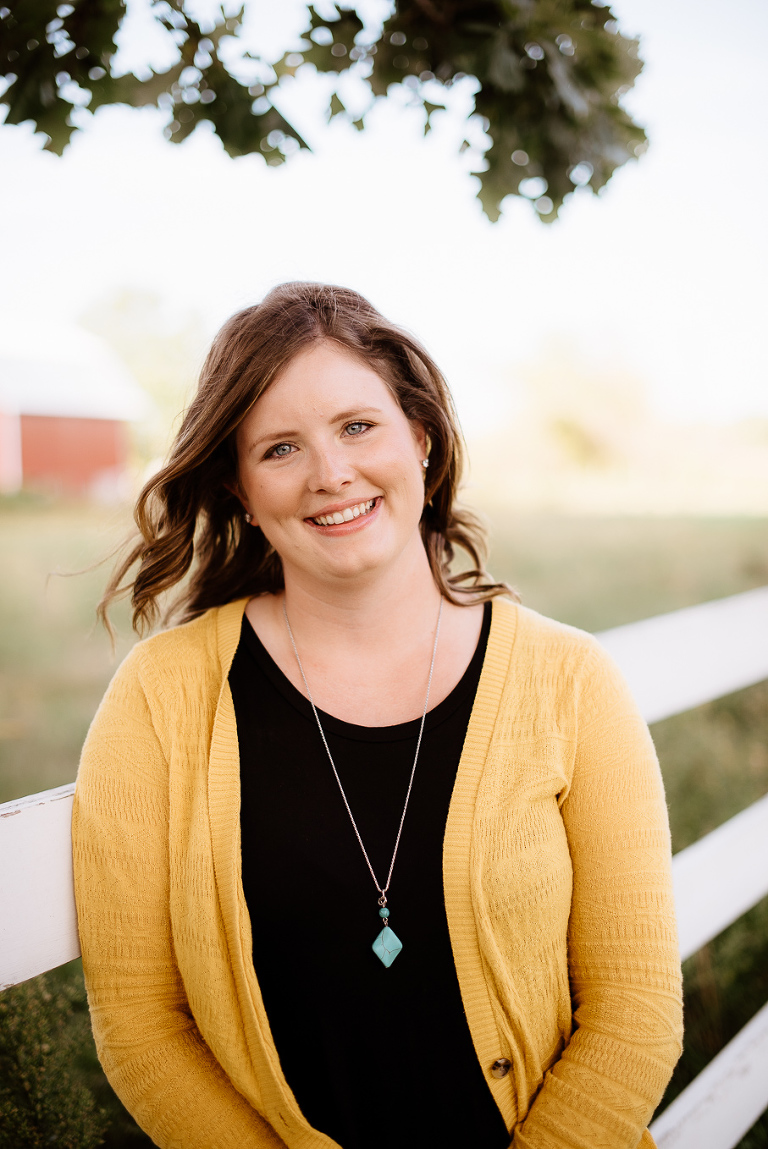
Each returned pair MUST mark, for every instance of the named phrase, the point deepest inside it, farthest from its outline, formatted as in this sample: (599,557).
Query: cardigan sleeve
(148,1043)
(623,955)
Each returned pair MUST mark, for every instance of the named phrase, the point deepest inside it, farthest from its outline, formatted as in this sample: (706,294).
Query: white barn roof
(60,369)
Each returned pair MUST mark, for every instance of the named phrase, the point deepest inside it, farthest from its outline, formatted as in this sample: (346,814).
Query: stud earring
(425,462)
(248,517)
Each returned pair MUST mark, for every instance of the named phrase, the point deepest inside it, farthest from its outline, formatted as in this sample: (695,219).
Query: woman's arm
(146,1037)
(622,944)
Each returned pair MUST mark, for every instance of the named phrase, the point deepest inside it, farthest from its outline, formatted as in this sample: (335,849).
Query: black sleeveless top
(375,1057)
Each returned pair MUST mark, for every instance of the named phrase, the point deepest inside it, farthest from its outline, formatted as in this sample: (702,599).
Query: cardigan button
(501,1067)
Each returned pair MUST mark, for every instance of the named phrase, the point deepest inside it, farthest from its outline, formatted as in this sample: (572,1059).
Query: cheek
(269,498)
(400,460)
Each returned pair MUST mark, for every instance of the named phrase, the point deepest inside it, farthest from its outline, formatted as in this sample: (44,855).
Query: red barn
(65,405)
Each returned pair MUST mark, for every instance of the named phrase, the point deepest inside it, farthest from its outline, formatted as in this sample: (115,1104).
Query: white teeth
(344,516)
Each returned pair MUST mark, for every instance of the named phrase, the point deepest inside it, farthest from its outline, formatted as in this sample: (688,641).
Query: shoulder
(197,652)
(555,657)
(541,638)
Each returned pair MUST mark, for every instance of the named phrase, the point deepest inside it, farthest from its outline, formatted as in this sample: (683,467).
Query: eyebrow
(341,417)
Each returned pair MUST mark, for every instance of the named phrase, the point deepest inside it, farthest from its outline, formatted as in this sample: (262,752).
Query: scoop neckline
(350,730)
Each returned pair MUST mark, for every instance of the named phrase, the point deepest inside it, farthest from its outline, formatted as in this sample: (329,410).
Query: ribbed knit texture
(557,886)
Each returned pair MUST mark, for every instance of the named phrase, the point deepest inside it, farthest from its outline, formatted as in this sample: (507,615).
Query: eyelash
(271,452)
(355,423)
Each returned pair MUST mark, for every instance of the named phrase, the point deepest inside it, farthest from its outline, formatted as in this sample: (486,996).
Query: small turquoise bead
(383,912)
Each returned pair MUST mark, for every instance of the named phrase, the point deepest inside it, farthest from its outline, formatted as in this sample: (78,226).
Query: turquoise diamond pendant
(387,945)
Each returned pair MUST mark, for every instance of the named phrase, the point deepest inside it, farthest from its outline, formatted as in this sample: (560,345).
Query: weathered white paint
(679,660)
(720,877)
(725,1100)
(38,925)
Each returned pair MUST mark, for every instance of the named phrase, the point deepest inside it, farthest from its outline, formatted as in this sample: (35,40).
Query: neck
(378,607)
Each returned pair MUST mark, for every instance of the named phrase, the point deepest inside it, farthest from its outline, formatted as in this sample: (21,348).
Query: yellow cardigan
(557,884)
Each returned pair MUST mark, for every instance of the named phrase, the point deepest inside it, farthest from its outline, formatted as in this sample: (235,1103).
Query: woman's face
(330,467)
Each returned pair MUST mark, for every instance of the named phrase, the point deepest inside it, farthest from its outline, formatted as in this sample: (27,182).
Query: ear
(235,489)
(421,438)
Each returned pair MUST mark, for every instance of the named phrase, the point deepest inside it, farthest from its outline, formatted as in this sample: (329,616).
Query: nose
(330,469)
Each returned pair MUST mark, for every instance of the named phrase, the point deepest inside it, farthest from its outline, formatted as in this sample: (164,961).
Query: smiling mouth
(345,516)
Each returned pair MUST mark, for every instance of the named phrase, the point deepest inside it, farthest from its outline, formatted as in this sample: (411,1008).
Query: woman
(342,730)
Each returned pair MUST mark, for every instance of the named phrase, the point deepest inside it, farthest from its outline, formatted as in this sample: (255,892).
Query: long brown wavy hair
(192,534)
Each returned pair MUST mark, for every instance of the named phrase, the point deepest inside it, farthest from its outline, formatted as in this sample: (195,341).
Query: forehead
(318,379)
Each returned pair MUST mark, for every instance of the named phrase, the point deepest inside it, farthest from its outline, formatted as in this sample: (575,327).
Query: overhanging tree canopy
(551,74)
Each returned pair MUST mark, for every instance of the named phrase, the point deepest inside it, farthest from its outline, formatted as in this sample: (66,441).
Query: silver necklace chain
(382,889)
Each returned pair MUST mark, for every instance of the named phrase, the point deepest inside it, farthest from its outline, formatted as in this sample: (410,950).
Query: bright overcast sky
(664,274)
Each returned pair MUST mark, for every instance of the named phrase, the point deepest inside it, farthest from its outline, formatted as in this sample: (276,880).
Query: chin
(350,569)
(358,562)
(359,556)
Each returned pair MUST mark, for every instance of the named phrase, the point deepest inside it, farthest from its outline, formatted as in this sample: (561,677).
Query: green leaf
(550,76)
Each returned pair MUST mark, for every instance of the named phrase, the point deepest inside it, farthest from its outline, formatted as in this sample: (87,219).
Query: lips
(345,515)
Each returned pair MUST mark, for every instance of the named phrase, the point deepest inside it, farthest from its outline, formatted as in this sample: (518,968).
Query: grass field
(591,572)
(54,662)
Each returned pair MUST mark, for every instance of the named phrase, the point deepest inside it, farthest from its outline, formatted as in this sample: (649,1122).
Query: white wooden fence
(672,662)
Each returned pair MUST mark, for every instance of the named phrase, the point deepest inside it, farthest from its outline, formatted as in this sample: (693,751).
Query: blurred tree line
(549,76)
(163,348)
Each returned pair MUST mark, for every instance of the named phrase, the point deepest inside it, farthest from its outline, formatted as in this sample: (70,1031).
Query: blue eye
(281,450)
(356,428)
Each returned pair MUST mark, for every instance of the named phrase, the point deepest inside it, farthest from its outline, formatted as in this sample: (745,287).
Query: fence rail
(727,1097)
(679,660)
(672,662)
(38,924)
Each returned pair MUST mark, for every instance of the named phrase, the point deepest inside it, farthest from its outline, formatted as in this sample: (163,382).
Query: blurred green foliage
(54,664)
(60,58)
(591,572)
(550,76)
(163,351)
(596,571)
(44,1034)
